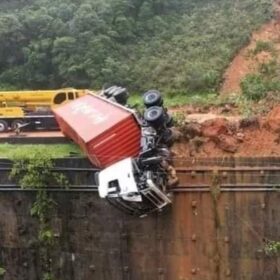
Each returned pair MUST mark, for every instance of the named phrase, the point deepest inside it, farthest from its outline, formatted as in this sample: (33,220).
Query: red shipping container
(106,132)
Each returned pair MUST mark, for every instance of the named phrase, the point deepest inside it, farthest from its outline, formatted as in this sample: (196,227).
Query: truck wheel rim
(2,127)
(151,97)
(153,114)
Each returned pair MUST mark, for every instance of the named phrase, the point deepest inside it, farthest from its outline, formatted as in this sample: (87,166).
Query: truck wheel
(169,121)
(16,124)
(3,126)
(152,98)
(154,116)
(121,95)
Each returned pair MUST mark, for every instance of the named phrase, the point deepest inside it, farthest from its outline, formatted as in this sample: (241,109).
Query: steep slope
(264,47)
(246,62)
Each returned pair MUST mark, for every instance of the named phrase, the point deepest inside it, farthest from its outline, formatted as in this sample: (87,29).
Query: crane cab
(65,95)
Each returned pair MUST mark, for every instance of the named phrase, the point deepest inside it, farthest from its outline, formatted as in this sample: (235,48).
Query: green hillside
(177,46)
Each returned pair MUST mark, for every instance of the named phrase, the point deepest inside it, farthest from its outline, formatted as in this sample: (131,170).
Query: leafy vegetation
(263,46)
(177,46)
(272,248)
(36,173)
(257,86)
(29,151)
(262,84)
(2,271)
(179,120)
(172,100)
(253,87)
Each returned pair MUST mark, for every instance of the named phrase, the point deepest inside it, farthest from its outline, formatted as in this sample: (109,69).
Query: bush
(263,46)
(269,69)
(254,87)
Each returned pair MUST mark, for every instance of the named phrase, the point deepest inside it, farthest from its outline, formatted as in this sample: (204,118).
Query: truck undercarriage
(139,186)
(30,122)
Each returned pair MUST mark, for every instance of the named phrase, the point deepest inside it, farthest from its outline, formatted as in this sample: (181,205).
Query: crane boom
(33,107)
(48,98)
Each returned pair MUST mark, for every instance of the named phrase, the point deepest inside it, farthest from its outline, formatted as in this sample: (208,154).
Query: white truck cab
(125,181)
(118,180)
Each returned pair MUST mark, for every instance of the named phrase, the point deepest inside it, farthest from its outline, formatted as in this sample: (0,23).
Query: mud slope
(244,63)
(216,136)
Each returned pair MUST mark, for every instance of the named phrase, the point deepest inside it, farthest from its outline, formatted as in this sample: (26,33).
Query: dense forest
(178,46)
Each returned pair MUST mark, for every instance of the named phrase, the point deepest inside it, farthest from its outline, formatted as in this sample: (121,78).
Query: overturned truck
(131,149)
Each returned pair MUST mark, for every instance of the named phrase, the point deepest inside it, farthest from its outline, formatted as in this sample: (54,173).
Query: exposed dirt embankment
(245,62)
(210,133)
(207,135)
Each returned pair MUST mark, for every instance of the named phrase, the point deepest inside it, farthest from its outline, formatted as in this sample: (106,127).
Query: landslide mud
(208,135)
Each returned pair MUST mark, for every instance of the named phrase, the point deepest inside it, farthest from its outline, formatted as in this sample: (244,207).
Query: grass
(173,100)
(12,151)
(263,46)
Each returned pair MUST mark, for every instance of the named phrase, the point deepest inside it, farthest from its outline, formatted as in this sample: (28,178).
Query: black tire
(121,95)
(169,121)
(154,116)
(3,126)
(15,124)
(152,98)
(108,92)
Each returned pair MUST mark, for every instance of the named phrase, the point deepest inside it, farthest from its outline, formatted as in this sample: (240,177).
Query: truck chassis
(29,123)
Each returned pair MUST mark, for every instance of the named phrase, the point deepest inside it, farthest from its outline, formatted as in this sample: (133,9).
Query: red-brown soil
(230,136)
(220,131)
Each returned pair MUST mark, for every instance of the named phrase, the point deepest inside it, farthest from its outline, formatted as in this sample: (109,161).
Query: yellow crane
(33,108)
